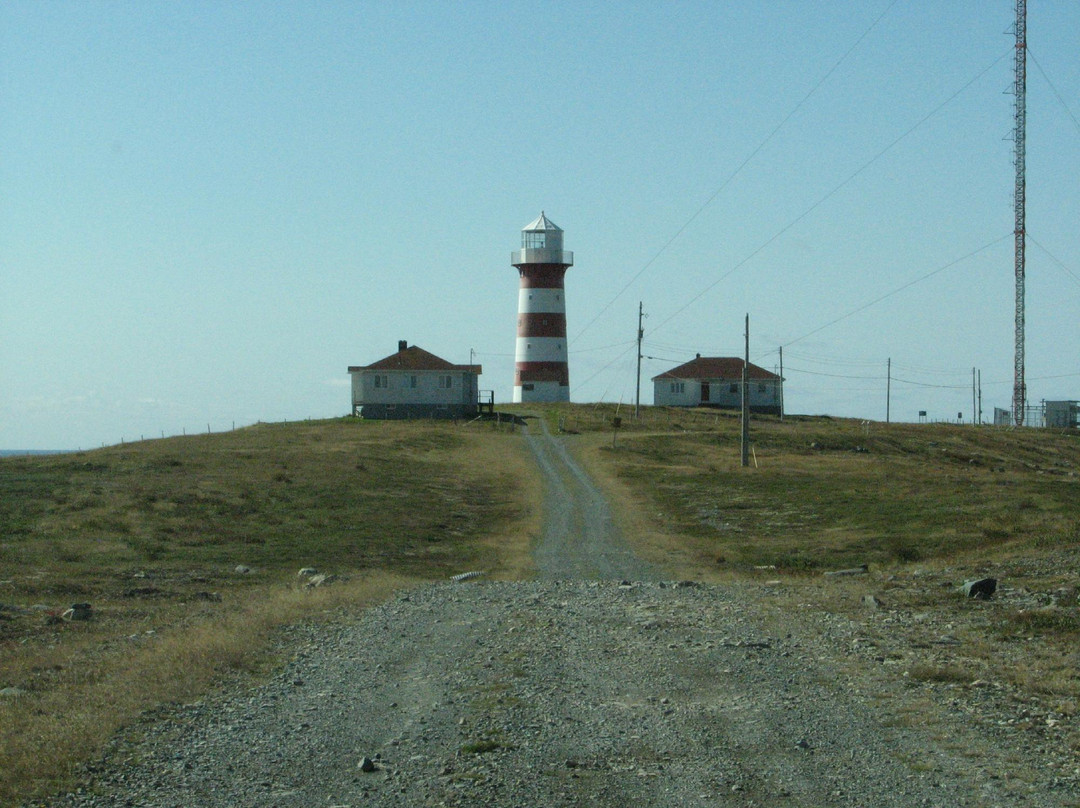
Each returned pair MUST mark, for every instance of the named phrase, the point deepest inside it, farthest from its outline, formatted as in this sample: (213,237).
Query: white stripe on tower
(541,372)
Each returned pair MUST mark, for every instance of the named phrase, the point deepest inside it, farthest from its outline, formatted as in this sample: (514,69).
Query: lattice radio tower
(1019,388)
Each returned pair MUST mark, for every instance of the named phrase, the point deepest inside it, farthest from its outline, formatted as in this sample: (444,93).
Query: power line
(1055,259)
(831,193)
(934,386)
(736,172)
(632,344)
(604,347)
(820,361)
(1061,100)
(899,289)
(788,369)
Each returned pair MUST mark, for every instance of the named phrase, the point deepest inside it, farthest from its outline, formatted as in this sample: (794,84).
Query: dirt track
(580,539)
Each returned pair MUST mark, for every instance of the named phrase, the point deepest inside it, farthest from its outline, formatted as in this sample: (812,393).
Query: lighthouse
(540,369)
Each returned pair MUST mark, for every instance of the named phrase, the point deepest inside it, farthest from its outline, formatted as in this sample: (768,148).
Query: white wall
(720,393)
(400,390)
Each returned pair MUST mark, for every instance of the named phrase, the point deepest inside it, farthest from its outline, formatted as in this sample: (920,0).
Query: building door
(704,392)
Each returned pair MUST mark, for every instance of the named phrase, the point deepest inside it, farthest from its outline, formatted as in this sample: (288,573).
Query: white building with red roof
(413,383)
(716,381)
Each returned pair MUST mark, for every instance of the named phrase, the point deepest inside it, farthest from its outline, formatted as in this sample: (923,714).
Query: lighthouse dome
(541,234)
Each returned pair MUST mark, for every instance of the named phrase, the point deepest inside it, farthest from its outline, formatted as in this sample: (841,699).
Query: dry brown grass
(149,533)
(827,493)
(510,547)
(84,689)
(925,506)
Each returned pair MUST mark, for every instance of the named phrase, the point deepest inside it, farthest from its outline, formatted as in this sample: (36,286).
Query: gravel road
(581,687)
(580,539)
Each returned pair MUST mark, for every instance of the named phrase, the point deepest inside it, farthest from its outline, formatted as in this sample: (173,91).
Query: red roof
(716,367)
(413,358)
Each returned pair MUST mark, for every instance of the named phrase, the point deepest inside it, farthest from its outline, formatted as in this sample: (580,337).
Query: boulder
(862,569)
(871,602)
(982,588)
(78,611)
(319,580)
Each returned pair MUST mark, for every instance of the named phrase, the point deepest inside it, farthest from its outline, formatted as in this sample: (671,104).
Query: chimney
(402,345)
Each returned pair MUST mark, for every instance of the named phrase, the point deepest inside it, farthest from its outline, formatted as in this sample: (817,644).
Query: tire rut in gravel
(580,539)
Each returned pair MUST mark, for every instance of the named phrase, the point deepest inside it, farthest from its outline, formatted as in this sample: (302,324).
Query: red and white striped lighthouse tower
(540,369)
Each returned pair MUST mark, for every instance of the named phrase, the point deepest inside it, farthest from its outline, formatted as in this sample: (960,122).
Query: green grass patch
(483,746)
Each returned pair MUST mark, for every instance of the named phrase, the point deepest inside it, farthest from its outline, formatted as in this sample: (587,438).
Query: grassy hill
(823,493)
(152,534)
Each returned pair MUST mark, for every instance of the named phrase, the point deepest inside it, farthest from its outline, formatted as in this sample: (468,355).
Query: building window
(446,382)
(761,388)
(678,387)
(411,382)
(733,389)
(381,382)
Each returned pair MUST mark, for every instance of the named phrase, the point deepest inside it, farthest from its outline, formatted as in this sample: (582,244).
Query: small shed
(414,383)
(1062,414)
(716,381)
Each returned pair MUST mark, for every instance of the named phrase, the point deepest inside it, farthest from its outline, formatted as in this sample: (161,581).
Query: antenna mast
(1019,388)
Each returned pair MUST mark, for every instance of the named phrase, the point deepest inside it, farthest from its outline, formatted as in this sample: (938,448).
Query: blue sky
(208,210)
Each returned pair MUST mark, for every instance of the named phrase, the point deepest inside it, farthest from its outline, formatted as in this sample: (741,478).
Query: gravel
(582,687)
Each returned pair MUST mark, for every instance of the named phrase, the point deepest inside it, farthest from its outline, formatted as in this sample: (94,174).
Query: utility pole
(1020,91)
(640,335)
(781,382)
(888,388)
(974,404)
(746,399)
(980,398)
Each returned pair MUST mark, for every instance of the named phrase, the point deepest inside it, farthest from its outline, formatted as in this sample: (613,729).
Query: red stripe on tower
(541,372)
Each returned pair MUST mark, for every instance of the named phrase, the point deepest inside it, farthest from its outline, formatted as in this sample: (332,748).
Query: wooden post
(746,399)
(781,382)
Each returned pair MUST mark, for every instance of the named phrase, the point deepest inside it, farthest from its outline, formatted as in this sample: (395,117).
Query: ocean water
(19,452)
